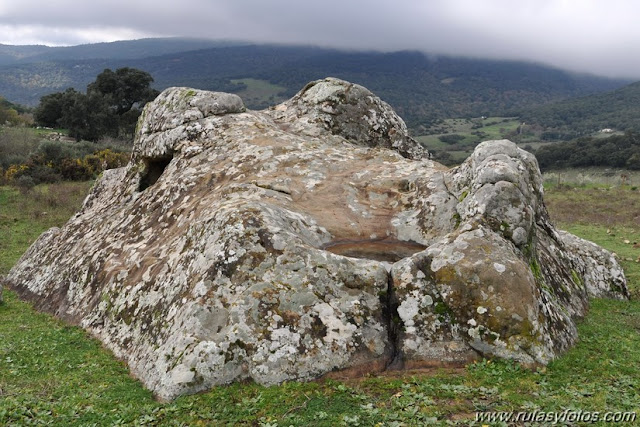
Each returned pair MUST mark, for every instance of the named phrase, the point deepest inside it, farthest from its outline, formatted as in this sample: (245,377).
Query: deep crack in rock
(394,323)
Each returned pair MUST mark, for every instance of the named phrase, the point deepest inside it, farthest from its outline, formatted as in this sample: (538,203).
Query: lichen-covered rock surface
(311,237)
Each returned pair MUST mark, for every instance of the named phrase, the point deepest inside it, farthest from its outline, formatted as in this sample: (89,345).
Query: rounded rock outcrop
(350,111)
(311,237)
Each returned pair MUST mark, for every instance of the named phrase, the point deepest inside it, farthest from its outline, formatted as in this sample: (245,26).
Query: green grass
(606,214)
(474,131)
(54,374)
(51,372)
(498,130)
(260,93)
(23,217)
(489,127)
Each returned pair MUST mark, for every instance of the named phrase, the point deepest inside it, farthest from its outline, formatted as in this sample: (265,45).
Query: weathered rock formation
(311,237)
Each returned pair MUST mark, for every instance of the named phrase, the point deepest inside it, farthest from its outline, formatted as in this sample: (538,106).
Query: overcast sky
(597,36)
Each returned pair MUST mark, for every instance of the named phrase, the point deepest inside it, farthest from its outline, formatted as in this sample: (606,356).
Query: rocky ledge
(310,237)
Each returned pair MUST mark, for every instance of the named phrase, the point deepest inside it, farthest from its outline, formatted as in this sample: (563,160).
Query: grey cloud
(586,35)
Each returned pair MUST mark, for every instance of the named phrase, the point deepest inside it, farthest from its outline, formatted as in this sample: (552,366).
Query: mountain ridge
(124,49)
(422,88)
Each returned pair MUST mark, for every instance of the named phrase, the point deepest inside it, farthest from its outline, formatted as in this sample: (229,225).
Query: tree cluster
(451,138)
(574,117)
(109,108)
(12,114)
(618,151)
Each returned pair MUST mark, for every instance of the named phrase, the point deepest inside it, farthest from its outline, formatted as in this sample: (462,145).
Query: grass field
(473,131)
(603,178)
(54,374)
(23,217)
(260,93)
(599,211)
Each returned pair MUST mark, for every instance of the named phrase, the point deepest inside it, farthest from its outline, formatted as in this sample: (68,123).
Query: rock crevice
(311,237)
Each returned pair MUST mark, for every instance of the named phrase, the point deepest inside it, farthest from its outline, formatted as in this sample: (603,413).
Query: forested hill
(127,49)
(421,88)
(616,110)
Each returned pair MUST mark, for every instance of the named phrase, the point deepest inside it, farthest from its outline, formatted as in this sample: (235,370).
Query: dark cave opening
(152,171)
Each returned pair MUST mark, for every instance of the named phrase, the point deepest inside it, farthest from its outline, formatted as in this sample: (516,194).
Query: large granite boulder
(311,237)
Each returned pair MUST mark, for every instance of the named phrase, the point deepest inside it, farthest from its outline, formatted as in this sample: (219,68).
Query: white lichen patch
(500,268)
(408,310)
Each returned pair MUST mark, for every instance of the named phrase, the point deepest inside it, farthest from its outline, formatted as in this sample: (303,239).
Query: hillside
(126,49)
(423,89)
(618,110)
(12,54)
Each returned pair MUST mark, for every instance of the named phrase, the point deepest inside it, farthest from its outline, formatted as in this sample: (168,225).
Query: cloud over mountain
(589,35)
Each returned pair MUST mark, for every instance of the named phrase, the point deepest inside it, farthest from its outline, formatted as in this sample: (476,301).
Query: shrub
(76,170)
(16,144)
(453,138)
(112,159)
(51,161)
(14,172)
(44,174)
(12,159)
(55,151)
(25,183)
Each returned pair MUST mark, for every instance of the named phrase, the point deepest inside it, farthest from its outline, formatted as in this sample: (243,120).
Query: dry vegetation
(602,205)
